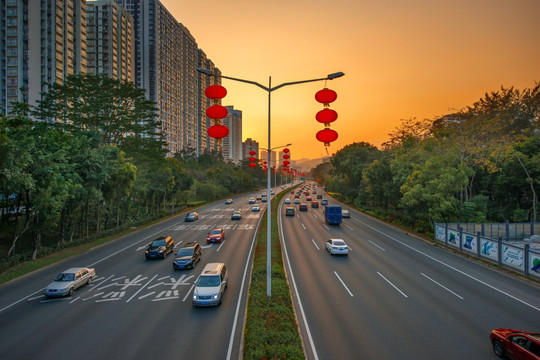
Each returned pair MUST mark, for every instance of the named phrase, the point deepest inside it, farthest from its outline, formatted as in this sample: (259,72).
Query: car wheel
(89,281)
(498,348)
(71,291)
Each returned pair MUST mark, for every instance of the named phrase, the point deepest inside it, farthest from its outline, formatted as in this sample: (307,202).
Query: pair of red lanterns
(217,112)
(326,116)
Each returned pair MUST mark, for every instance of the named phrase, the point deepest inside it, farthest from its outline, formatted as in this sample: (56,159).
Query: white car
(255,208)
(337,247)
(70,280)
(287,201)
(297,201)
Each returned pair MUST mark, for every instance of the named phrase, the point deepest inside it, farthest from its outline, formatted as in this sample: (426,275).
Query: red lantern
(252,158)
(217,112)
(326,96)
(218,131)
(286,156)
(265,169)
(286,163)
(327,136)
(215,92)
(264,162)
(252,153)
(326,116)
(252,165)
(286,150)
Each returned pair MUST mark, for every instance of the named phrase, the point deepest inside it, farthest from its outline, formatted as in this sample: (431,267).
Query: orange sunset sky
(402,59)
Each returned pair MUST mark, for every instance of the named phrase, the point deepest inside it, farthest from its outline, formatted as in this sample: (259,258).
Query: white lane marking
(244,277)
(327,228)
(345,286)
(304,226)
(349,227)
(310,338)
(376,245)
(316,217)
(314,243)
(453,268)
(444,287)
(141,289)
(220,245)
(394,286)
(189,292)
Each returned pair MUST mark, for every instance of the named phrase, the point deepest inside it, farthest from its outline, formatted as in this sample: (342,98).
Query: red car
(215,235)
(515,344)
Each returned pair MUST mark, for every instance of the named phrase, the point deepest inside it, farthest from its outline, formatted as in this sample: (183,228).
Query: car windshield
(65,277)
(190,214)
(215,232)
(338,243)
(185,252)
(159,242)
(208,281)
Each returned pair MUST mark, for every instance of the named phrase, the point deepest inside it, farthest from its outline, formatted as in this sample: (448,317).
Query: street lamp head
(205,71)
(335,75)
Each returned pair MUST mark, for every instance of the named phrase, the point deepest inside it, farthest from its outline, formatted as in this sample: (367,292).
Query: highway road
(395,296)
(136,308)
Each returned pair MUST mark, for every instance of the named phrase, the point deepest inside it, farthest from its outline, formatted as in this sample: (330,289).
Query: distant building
(110,40)
(232,144)
(250,145)
(41,41)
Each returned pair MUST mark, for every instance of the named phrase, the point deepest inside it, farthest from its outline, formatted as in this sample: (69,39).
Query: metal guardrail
(521,253)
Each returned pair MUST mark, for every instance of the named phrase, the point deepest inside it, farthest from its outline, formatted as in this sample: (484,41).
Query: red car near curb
(515,344)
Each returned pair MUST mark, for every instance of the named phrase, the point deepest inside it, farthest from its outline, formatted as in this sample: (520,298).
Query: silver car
(70,280)
(337,247)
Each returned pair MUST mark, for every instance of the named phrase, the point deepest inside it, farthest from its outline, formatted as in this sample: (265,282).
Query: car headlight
(215,296)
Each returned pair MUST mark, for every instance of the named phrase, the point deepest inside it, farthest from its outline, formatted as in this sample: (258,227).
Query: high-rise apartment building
(41,41)
(250,145)
(232,144)
(110,40)
(166,60)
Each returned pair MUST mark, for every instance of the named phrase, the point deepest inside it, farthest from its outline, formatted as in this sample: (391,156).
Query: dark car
(319,196)
(515,344)
(192,216)
(159,248)
(215,235)
(228,201)
(289,211)
(302,207)
(187,256)
(236,215)
(314,204)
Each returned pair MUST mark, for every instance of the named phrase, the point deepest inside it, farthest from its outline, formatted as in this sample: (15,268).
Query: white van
(211,285)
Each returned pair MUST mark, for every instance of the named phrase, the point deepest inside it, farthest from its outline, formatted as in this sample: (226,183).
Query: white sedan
(337,247)
(255,208)
(70,280)
(287,201)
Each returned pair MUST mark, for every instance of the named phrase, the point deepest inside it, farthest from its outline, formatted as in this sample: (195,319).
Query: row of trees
(98,165)
(479,164)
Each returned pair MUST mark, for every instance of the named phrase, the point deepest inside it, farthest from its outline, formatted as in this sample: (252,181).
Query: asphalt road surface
(394,296)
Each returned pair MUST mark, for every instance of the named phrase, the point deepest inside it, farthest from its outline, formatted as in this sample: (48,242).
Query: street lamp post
(269,89)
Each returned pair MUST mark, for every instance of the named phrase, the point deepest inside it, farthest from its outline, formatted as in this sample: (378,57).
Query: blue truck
(332,214)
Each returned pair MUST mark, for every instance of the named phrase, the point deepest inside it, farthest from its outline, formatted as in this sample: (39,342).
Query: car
(345,214)
(515,344)
(264,199)
(259,197)
(210,285)
(302,207)
(297,201)
(287,201)
(314,204)
(309,198)
(70,280)
(159,248)
(336,247)
(192,216)
(228,201)
(215,235)
(255,208)
(324,202)
(296,196)
(251,200)
(289,211)
(236,215)
(319,196)
(187,256)
(314,191)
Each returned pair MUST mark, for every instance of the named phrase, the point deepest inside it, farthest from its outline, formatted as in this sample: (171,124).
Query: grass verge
(271,330)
